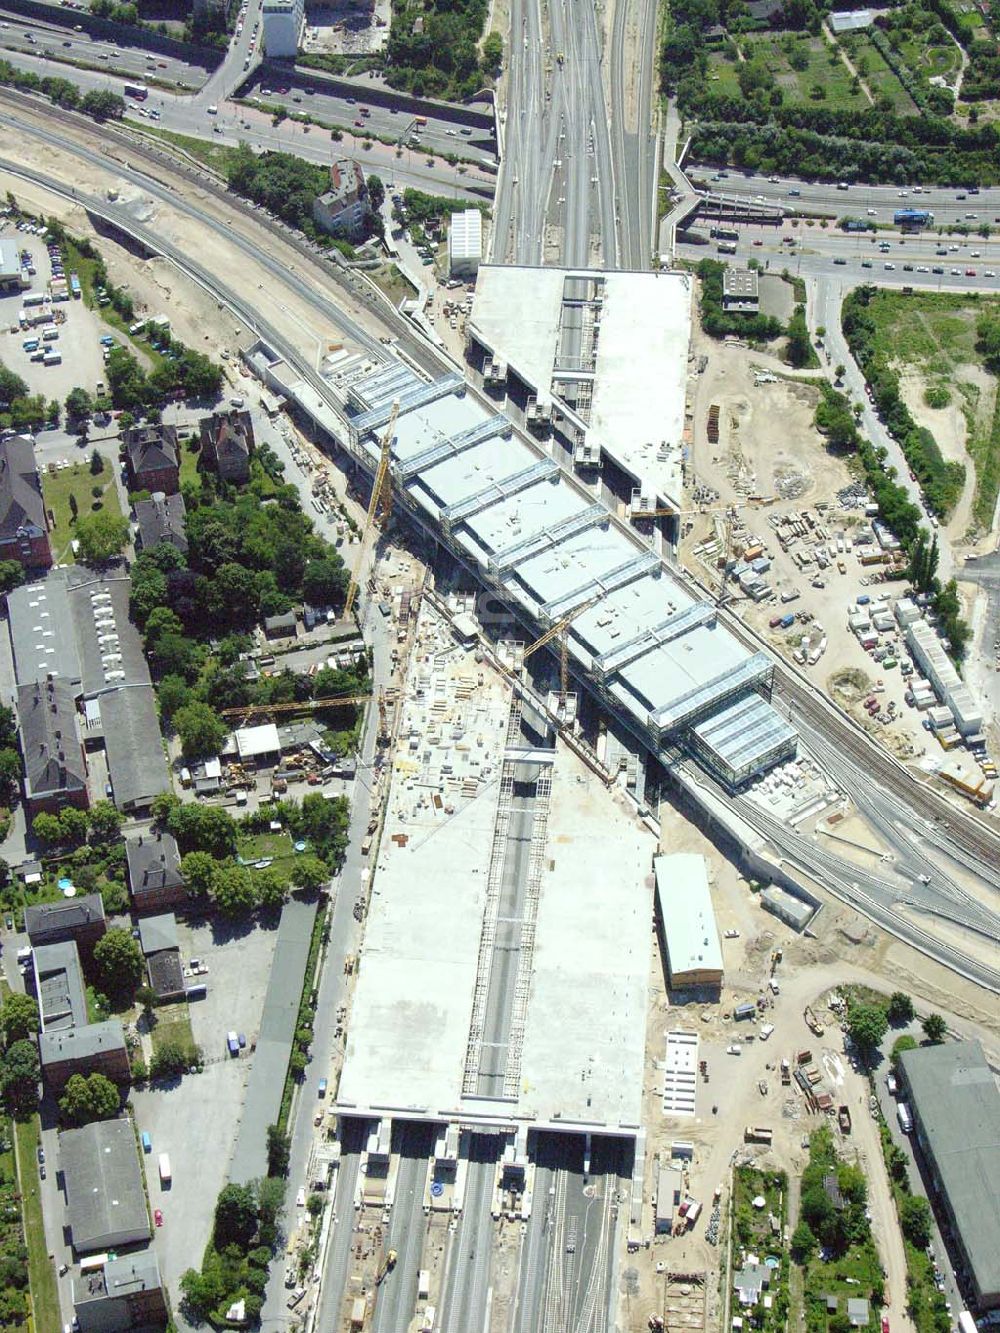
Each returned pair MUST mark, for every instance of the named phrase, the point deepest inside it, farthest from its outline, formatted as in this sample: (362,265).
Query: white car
(922,268)
(988,273)
(873,212)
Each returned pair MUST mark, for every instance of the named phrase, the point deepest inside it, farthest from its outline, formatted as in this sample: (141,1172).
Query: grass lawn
(41,1274)
(173,1023)
(78,480)
(879,77)
(277,846)
(190,452)
(393,283)
(934,333)
(217,156)
(804,68)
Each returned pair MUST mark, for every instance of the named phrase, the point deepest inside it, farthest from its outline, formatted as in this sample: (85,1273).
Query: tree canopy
(90,1097)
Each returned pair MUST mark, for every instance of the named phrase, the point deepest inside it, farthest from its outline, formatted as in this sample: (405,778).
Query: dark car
(41,1155)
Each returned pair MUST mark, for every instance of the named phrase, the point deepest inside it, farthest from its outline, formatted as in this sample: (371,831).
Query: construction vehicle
(844,1119)
(812,1022)
(379,508)
(385,1267)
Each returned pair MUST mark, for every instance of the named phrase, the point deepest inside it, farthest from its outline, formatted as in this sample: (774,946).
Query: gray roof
(10,260)
(50,740)
(132,739)
(22,508)
(158,932)
(285,621)
(105,1200)
(37,617)
(153,863)
(45,922)
(151,447)
(109,645)
(62,1001)
(124,1276)
(161,519)
(274,1041)
(81,1043)
(857,1311)
(955,1097)
(229,435)
(166,976)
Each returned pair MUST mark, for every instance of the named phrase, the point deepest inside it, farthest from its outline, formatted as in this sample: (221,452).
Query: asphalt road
(59,38)
(438,136)
(940,200)
(337,1264)
(633,145)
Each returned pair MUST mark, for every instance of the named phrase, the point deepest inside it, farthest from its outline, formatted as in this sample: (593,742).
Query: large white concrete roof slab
(585,1035)
(639,368)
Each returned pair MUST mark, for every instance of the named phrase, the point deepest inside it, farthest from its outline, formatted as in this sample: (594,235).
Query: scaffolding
(754,673)
(508,556)
(496,491)
(746,738)
(419,395)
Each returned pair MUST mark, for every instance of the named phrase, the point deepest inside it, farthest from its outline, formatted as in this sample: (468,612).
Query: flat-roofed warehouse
(105,1198)
(955,1103)
(686,919)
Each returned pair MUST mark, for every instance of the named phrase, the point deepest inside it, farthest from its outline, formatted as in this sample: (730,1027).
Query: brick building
(24,524)
(153,460)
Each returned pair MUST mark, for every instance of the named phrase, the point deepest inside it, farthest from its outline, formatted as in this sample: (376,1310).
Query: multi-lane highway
(470,1251)
(396,1298)
(948,204)
(63,42)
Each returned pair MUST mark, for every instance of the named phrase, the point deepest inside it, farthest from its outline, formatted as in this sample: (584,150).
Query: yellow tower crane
(559,631)
(379,508)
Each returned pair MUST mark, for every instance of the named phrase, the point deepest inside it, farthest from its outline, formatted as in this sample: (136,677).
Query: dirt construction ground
(846,949)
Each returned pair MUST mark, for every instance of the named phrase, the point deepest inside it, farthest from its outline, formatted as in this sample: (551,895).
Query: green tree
(867,1025)
(73,825)
(102,536)
(19,1075)
(915,1220)
(10,775)
(309,873)
(901,1044)
(93,1097)
(173,693)
(118,962)
(201,731)
(96,464)
(198,869)
(900,1009)
(803,1244)
(324,581)
(272,887)
(79,405)
(798,351)
(105,822)
(279,1151)
(47,829)
(235,1216)
(492,54)
(233,890)
(18,1017)
(935,1029)
(170,1059)
(11,576)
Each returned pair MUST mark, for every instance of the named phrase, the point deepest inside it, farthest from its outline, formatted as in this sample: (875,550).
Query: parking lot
(79,335)
(195,1120)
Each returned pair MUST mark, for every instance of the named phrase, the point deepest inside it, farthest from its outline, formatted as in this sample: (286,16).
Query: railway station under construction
(638,634)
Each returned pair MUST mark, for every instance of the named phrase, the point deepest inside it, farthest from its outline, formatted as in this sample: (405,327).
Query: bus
(724,234)
(137,90)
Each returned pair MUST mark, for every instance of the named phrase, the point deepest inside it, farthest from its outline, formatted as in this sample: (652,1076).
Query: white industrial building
(686,918)
(929,652)
(465,243)
(609,352)
(10,266)
(282,27)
